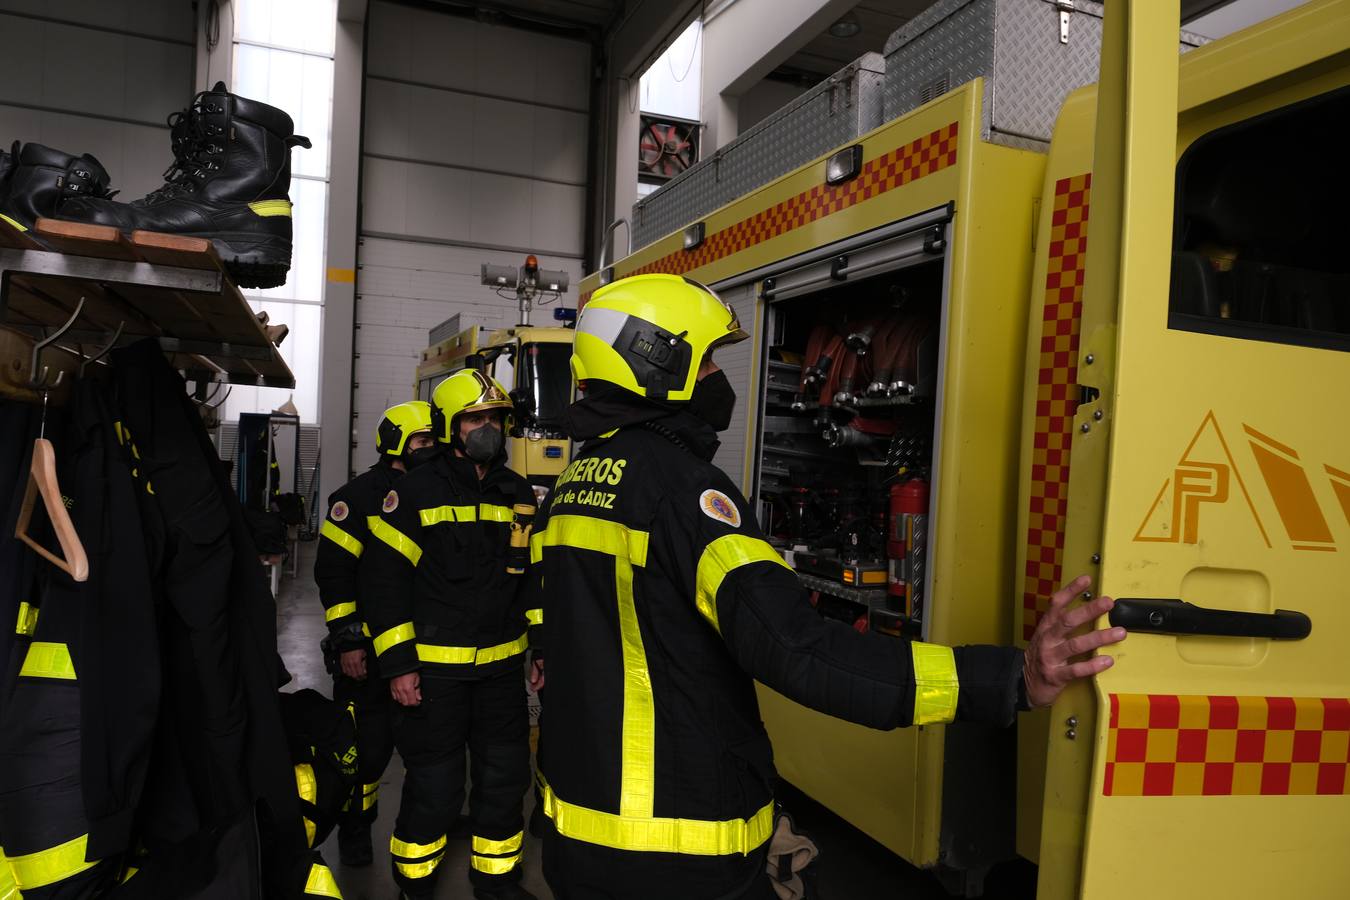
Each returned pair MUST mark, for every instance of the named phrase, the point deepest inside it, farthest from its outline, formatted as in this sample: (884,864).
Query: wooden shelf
(163,286)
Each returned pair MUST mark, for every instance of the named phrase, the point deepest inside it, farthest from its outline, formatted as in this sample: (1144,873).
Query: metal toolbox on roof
(830,115)
(1031,53)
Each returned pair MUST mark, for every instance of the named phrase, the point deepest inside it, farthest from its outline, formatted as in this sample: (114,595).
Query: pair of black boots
(229,182)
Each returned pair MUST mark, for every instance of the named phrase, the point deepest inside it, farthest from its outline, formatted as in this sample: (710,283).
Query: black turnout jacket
(441,598)
(343,541)
(662,603)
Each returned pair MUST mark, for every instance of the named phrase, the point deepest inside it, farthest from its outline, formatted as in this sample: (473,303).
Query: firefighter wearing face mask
(450,618)
(662,601)
(403,441)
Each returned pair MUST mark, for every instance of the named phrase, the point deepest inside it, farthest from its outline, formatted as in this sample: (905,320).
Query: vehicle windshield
(546,375)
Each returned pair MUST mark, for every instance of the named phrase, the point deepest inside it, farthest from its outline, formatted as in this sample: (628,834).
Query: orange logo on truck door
(1201,487)
(1202,477)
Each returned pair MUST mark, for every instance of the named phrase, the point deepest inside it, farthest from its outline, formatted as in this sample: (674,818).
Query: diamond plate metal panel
(1015,45)
(830,115)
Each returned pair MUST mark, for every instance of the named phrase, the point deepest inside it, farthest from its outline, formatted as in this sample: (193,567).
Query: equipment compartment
(845,438)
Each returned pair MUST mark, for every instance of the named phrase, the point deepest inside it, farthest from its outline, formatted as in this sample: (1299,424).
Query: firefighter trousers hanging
(374,737)
(488,717)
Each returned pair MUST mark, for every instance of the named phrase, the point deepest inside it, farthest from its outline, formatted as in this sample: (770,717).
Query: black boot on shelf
(36,181)
(229,182)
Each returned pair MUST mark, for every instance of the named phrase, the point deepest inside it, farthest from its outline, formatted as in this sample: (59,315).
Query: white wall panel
(736,363)
(406,289)
(475,137)
(97,87)
(160,18)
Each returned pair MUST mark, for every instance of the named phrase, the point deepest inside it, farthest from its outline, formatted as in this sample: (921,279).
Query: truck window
(1261,242)
(546,375)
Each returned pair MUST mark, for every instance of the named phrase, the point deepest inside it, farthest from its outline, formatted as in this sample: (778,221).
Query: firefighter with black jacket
(662,601)
(449,614)
(402,440)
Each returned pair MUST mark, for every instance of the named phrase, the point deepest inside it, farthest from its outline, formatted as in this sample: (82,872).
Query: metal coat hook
(104,352)
(39,382)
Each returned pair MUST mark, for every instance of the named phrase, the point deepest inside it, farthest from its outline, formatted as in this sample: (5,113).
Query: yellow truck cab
(533,363)
(1125,353)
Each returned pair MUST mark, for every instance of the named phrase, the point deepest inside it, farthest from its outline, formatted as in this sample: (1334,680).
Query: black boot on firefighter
(40,181)
(229,182)
(354,848)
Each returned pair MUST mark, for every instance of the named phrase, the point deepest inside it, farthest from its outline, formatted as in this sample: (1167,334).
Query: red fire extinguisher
(907,545)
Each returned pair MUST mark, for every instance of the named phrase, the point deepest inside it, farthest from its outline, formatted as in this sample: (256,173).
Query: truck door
(1213,377)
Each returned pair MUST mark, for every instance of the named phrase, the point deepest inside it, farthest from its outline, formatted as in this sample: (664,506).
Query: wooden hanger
(42,478)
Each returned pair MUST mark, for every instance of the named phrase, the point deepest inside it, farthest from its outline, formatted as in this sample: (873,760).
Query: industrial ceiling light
(847,26)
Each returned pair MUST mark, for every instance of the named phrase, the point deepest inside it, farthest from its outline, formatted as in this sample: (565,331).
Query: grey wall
(98,77)
(475,150)
(765,98)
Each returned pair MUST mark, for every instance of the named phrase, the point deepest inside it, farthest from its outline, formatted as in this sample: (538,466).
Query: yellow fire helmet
(468,390)
(649,333)
(400,423)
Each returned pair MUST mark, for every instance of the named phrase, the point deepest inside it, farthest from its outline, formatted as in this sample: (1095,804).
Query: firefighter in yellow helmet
(450,619)
(403,440)
(662,602)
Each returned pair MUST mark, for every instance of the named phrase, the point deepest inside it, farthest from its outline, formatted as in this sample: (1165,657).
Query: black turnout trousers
(488,717)
(374,736)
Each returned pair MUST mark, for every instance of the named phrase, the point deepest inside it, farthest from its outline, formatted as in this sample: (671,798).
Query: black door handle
(1180,617)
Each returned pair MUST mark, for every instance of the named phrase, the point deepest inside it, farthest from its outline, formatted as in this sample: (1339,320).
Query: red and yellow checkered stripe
(901,166)
(1056,400)
(1165,745)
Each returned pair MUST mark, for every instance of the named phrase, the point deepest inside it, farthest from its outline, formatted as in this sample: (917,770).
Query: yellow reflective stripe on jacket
(397,539)
(534,616)
(935,683)
(637,779)
(479,656)
(8,889)
(414,851)
(497,848)
(320,882)
(305,782)
(46,660)
(601,535)
(311,830)
(344,540)
(396,635)
(720,557)
(370,795)
(438,514)
(694,837)
(488,512)
(492,865)
(536,547)
(35,870)
(338,610)
(27,623)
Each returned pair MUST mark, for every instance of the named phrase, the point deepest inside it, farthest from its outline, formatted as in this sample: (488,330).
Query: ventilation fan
(666,147)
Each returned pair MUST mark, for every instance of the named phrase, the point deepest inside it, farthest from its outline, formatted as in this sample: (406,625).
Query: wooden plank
(81,239)
(175,250)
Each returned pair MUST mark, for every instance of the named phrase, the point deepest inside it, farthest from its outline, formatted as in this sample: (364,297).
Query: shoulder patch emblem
(390,502)
(339,511)
(717,505)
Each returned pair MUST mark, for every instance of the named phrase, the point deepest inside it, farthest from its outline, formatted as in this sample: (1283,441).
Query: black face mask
(419,457)
(484,443)
(714,400)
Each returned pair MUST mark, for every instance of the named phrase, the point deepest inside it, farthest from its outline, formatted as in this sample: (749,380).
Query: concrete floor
(851,865)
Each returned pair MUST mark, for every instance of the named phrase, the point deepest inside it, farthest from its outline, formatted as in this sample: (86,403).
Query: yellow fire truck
(532,362)
(1122,355)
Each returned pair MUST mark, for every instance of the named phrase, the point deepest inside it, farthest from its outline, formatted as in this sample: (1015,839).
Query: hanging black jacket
(662,602)
(440,594)
(224,747)
(343,542)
